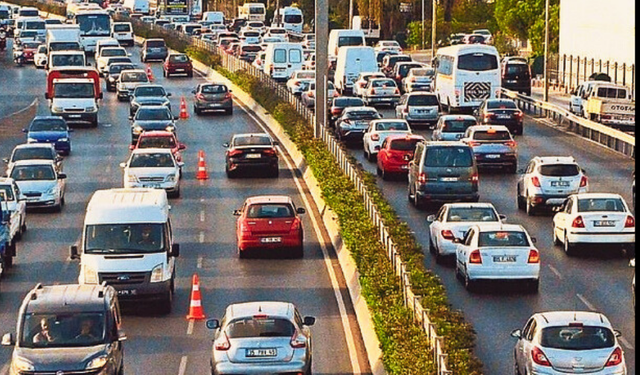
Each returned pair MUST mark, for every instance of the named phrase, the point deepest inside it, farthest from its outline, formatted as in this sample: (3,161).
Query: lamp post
(433,29)
(423,28)
(546,52)
(322,65)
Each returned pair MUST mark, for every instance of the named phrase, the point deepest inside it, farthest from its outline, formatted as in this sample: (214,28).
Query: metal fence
(573,70)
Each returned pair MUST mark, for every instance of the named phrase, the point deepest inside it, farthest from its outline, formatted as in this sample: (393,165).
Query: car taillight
(511,144)
(475,257)
(363,84)
(271,69)
(615,358)
(578,222)
(630,222)
(310,94)
(422,178)
(535,181)
(228,95)
(397,92)
(538,357)
(269,151)
(412,79)
(372,91)
(447,234)
(244,227)
(473,143)
(534,256)
(233,153)
(583,181)
(222,343)
(335,111)
(335,94)
(475,178)
(297,83)
(200,96)
(457,92)
(298,340)
(375,137)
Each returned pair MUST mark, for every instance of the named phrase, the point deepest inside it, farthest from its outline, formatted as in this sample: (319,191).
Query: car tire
(379,171)
(516,370)
(196,110)
(164,73)
(416,200)
(190,74)
(512,169)
(242,254)
(298,252)
(556,240)
(7,261)
(372,157)
(519,199)
(385,175)
(229,112)
(469,285)
(176,194)
(569,248)
(275,172)
(533,286)
(166,305)
(531,211)
(230,174)
(121,371)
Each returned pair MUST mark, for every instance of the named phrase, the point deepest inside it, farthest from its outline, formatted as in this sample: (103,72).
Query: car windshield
(214,89)
(269,210)
(67,60)
(419,72)
(69,329)
(30,45)
(502,239)
(477,62)
(117,68)
(502,135)
(73,90)
(559,170)
(404,144)
(156,142)
(150,114)
(33,173)
(347,102)
(577,337)
(461,214)
(362,115)
(121,28)
(124,238)
(457,126)
(178,58)
(259,326)
(392,125)
(255,140)
(48,125)
(449,157)
(133,77)
(160,160)
(600,204)
(423,100)
(6,193)
(149,91)
(501,104)
(64,46)
(28,153)
(106,52)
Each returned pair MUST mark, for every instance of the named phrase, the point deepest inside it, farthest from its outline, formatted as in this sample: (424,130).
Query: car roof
(389,120)
(249,309)
(487,127)
(361,108)
(469,205)
(269,199)
(596,195)
(157,133)
(48,117)
(458,117)
(558,318)
(67,298)
(245,135)
(394,137)
(136,70)
(499,100)
(555,159)
(150,85)
(34,145)
(34,162)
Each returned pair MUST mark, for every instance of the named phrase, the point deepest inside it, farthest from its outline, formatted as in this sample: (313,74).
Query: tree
(524,19)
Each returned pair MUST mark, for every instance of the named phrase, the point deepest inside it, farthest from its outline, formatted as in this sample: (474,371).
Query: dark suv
(154,49)
(516,76)
(443,172)
(68,329)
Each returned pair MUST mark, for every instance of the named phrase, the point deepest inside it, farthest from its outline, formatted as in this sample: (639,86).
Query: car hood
(151,172)
(61,359)
(36,186)
(48,135)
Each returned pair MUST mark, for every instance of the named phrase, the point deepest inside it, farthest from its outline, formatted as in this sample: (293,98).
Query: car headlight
(137,129)
(52,191)
(132,178)
(22,364)
(171,178)
(170,128)
(57,109)
(97,362)
(157,273)
(63,139)
(112,78)
(31,140)
(90,109)
(90,275)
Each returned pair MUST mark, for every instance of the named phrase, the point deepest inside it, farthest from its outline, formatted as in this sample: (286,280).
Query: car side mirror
(122,336)
(70,130)
(62,176)
(503,217)
(617,333)
(223,145)
(431,218)
(632,262)
(24,130)
(7,339)
(182,146)
(213,324)
(237,212)
(6,160)
(131,147)
(584,170)
(73,252)
(193,91)
(130,117)
(168,94)
(47,96)
(122,165)
(175,250)
(301,210)
(520,171)
(176,117)
(309,321)
(516,333)
(534,240)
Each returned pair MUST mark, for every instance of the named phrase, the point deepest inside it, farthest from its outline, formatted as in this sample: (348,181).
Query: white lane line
(34,102)
(183,365)
(584,300)
(200,260)
(346,325)
(625,343)
(108,169)
(201,200)
(202,216)
(201,237)
(190,327)
(555,271)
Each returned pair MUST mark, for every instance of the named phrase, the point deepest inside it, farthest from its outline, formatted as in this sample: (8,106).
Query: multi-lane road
(204,226)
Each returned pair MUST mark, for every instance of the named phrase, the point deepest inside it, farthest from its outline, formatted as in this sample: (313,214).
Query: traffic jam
(437,151)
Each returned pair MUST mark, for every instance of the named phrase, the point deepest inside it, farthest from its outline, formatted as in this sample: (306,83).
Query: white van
(350,63)
(282,59)
(290,18)
(137,6)
(127,242)
(217,18)
(344,38)
(122,32)
(57,59)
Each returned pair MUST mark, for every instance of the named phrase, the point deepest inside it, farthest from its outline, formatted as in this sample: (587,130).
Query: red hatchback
(160,139)
(271,223)
(395,154)
(177,63)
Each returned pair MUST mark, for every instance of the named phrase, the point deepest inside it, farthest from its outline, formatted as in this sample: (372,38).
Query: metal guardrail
(607,136)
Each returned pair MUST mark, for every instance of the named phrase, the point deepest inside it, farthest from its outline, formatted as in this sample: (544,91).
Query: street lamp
(433,30)
(546,52)
(423,28)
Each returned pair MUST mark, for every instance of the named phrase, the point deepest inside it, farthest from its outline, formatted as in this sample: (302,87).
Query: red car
(271,223)
(177,63)
(395,154)
(160,139)
(29,49)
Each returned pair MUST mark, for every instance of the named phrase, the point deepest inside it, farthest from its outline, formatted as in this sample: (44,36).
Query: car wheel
(190,74)
(530,208)
(533,286)
(516,370)
(7,261)
(556,240)
(230,173)
(416,200)
(242,254)
(176,194)
(379,171)
(166,304)
(372,157)
(469,284)
(458,272)
(121,371)
(385,175)
(24,227)
(569,248)
(164,73)
(196,110)
(519,200)
(512,169)
(298,252)
(275,172)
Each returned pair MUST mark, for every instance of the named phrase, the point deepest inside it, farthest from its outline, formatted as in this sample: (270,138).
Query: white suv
(548,181)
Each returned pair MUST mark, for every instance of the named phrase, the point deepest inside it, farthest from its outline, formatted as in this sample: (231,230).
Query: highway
(202,221)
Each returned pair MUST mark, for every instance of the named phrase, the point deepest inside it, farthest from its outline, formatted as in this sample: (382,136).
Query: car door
(436,225)
(366,138)
(521,356)
(402,104)
(522,183)
(562,217)
(576,100)
(21,205)
(462,250)
(414,165)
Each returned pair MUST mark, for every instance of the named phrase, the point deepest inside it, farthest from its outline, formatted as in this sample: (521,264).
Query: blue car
(50,129)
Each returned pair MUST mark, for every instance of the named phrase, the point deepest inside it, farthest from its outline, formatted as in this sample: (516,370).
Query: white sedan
(453,220)
(153,168)
(594,218)
(362,80)
(379,130)
(296,82)
(497,252)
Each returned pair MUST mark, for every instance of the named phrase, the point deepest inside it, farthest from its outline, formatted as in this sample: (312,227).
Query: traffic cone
(202,167)
(149,73)
(195,306)
(183,109)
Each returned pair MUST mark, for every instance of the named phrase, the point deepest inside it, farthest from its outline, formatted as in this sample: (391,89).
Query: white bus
(252,12)
(466,74)
(290,18)
(94,25)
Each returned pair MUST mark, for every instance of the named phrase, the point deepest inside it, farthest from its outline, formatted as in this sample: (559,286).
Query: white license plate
(75,116)
(493,156)
(127,292)
(179,70)
(262,352)
(504,116)
(253,156)
(151,186)
(604,223)
(271,240)
(504,259)
(448,179)
(560,183)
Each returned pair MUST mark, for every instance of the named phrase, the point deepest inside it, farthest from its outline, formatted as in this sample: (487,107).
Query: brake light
(475,257)
(362,84)
(397,91)
(310,94)
(298,83)
(511,144)
(222,343)
(335,111)
(535,181)
(447,234)
(538,357)
(412,79)
(583,181)
(298,340)
(375,137)
(372,92)
(475,178)
(615,358)
(295,226)
(578,222)
(228,96)
(534,256)
(199,96)
(233,153)
(398,77)
(457,92)
(422,178)
(473,143)
(519,114)
(406,110)
(335,94)
(269,151)
(630,222)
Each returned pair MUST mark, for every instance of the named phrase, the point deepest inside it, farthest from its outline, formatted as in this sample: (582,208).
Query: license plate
(253,156)
(448,179)
(271,240)
(504,259)
(504,116)
(75,116)
(604,223)
(262,352)
(493,156)
(127,292)
(404,167)
(151,186)
(179,70)
(214,104)
(560,183)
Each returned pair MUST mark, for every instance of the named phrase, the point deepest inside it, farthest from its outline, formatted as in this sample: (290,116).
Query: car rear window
(559,170)
(350,41)
(392,125)
(157,142)
(501,135)
(251,48)
(122,28)
(259,327)
(461,214)
(600,204)
(577,337)
(502,239)
(610,92)
(306,75)
(518,69)
(270,210)
(113,52)
(423,100)
(404,144)
(457,126)
(255,140)
(383,83)
(477,62)
(155,43)
(449,157)
(348,102)
(214,89)
(178,58)
(362,115)
(501,104)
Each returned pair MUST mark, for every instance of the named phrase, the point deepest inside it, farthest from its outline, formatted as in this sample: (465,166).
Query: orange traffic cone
(149,73)
(183,109)
(195,306)
(202,167)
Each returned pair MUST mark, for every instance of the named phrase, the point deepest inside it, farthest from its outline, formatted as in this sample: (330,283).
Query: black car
(255,151)
(68,329)
(350,127)
(237,24)
(113,72)
(339,104)
(151,117)
(516,76)
(148,95)
(501,112)
(212,97)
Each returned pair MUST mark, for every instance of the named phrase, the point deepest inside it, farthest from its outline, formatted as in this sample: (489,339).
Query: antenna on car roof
(259,308)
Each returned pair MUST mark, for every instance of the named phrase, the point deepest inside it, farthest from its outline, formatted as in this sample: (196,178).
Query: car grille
(31,194)
(475,91)
(74,109)
(78,372)
(115,278)
(151,179)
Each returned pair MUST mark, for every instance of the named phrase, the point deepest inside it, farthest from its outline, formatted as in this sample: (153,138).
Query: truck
(610,104)
(252,12)
(74,93)
(137,6)
(63,37)
(14,206)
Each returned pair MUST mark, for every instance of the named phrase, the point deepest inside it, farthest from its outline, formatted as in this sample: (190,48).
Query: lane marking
(625,343)
(199,263)
(584,300)
(108,169)
(201,237)
(555,271)
(346,325)
(190,327)
(202,216)
(34,102)
(183,365)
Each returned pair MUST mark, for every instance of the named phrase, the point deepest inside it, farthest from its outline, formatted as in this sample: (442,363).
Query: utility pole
(546,52)
(423,27)
(322,65)
(350,14)
(433,30)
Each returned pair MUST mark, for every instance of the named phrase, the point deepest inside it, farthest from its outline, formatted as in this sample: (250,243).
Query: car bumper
(212,106)
(352,135)
(235,164)
(512,125)
(143,292)
(548,200)
(170,187)
(395,167)
(452,194)
(602,238)
(228,368)
(422,119)
(43,201)
(446,247)
(156,55)
(419,87)
(180,71)
(288,241)
(503,160)
(504,272)
(123,94)
(382,99)
(617,370)
(72,117)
